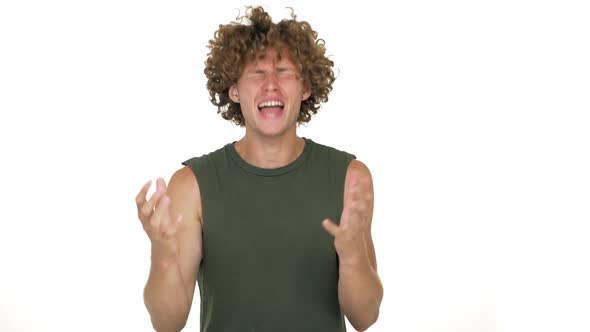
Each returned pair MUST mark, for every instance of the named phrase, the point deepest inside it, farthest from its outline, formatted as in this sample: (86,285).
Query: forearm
(166,298)
(360,293)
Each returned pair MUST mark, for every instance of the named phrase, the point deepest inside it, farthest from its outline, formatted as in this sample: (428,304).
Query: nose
(271,81)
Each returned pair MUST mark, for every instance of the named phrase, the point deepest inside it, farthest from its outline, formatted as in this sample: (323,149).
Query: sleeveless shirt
(268,264)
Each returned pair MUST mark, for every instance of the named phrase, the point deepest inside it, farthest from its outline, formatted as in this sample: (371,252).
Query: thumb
(331,227)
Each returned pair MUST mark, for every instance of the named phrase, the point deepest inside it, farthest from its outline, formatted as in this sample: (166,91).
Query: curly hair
(236,44)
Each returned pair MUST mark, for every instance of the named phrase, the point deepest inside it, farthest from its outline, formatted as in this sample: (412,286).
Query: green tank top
(268,264)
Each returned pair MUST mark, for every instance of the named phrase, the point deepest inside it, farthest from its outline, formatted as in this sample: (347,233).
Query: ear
(233,94)
(306,92)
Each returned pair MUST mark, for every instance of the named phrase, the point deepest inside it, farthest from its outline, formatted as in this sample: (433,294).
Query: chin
(272,130)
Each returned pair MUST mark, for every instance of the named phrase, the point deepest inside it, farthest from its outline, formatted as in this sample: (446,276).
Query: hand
(157,221)
(350,237)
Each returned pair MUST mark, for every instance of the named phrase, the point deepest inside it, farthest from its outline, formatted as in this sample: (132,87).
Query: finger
(345,216)
(160,185)
(140,198)
(148,208)
(161,212)
(352,194)
(331,227)
(353,180)
(165,221)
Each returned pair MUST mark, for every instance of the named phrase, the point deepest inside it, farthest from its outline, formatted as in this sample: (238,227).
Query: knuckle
(154,222)
(171,231)
(145,210)
(167,232)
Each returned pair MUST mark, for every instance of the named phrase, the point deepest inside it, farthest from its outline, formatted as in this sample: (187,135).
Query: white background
(473,117)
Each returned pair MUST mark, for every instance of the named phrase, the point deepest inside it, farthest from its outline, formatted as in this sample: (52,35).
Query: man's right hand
(158,222)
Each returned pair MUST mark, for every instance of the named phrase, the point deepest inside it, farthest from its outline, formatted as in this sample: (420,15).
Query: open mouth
(271,104)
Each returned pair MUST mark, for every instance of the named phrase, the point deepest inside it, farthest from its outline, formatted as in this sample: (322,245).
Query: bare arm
(176,249)
(360,293)
(359,288)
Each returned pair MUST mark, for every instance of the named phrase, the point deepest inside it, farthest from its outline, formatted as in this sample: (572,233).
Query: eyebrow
(257,68)
(254,70)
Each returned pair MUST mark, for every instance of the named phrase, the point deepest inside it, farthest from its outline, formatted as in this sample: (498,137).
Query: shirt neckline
(231,149)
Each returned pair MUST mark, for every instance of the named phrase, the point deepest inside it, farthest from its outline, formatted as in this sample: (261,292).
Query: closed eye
(286,72)
(256,74)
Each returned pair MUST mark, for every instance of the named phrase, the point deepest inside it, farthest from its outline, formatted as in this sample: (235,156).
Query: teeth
(271,103)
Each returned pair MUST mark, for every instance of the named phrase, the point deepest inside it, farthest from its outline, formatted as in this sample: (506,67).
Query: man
(275,228)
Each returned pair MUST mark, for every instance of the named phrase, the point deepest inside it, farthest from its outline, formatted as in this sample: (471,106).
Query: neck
(265,152)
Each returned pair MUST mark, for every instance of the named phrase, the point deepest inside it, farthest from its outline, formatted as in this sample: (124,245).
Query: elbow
(167,324)
(165,321)
(369,318)
(163,327)
(366,322)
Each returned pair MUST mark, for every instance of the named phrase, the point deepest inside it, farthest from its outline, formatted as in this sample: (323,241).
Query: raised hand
(157,221)
(352,235)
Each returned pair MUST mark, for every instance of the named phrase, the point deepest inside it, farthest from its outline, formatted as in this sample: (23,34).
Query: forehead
(272,56)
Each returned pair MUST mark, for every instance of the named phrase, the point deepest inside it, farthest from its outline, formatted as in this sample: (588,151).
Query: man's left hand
(350,237)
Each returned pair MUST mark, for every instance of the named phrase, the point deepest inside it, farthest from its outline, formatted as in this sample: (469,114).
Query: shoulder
(183,189)
(184,179)
(358,180)
(357,168)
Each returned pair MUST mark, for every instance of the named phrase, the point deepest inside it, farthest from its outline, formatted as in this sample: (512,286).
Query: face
(270,92)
